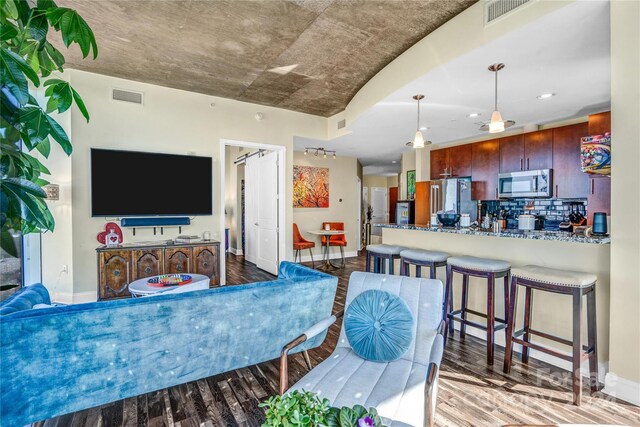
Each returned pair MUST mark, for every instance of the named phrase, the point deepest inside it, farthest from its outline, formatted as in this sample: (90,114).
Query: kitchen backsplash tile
(552,209)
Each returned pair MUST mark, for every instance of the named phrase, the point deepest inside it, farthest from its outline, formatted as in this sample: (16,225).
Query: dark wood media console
(117,267)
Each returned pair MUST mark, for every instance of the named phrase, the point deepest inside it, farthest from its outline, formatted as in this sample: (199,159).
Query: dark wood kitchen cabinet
(117,267)
(538,150)
(485,165)
(460,160)
(599,198)
(439,162)
(568,179)
(529,151)
(451,162)
(512,153)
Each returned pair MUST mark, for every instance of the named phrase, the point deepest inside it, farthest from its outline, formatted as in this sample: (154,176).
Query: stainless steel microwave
(536,183)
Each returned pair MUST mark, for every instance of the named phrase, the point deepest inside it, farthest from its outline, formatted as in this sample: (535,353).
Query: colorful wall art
(310,187)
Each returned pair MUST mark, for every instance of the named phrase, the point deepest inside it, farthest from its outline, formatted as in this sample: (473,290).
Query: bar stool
(572,283)
(380,253)
(422,258)
(490,269)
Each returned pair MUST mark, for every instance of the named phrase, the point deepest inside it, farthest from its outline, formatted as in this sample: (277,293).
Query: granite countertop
(561,236)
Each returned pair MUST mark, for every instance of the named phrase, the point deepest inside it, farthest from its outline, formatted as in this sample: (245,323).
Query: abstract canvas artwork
(310,187)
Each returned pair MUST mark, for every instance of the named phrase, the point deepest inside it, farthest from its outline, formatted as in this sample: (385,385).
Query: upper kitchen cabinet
(460,160)
(439,161)
(538,150)
(599,197)
(485,165)
(568,178)
(530,151)
(512,153)
(451,162)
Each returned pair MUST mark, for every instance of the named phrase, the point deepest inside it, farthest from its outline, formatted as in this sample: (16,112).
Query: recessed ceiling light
(545,95)
(472,115)
(424,128)
(394,161)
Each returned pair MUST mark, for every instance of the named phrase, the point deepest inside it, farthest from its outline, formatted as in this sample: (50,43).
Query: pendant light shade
(418,140)
(497,124)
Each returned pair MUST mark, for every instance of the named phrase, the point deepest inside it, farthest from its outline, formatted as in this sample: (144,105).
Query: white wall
(170,121)
(625,201)
(343,201)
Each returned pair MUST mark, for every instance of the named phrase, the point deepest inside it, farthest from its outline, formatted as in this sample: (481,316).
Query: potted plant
(27,58)
(304,408)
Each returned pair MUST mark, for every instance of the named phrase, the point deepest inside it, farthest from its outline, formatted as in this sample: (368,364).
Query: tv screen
(131,183)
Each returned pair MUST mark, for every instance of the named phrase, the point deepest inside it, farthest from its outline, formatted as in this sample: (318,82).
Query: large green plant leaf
(9,246)
(59,135)
(73,29)
(8,31)
(12,77)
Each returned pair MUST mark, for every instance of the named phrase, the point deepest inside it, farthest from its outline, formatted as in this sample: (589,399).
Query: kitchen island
(551,312)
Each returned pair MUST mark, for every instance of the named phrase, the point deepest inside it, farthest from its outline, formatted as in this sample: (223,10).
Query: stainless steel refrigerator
(452,195)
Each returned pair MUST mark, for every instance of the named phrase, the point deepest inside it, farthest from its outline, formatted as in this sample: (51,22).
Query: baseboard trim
(74,298)
(236,251)
(603,367)
(623,389)
(332,255)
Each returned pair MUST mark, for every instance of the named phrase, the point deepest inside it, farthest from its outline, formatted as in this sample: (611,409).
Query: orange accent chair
(339,240)
(300,243)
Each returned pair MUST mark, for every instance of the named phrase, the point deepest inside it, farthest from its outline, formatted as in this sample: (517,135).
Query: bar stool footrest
(499,324)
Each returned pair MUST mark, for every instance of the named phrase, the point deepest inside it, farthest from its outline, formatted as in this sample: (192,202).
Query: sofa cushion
(379,326)
(25,299)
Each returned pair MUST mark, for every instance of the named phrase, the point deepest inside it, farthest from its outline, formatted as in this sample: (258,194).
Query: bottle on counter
(486,222)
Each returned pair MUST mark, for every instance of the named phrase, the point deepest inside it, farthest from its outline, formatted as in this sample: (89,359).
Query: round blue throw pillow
(379,326)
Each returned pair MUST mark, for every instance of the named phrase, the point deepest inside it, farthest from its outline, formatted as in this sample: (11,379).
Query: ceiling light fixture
(472,115)
(320,150)
(418,140)
(497,125)
(545,95)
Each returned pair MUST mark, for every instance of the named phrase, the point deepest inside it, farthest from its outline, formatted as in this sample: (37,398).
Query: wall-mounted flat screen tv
(132,183)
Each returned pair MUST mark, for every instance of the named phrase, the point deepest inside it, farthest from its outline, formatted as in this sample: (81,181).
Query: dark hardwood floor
(470,394)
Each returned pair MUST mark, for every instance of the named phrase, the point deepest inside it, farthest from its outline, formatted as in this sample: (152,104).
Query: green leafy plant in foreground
(304,408)
(26,58)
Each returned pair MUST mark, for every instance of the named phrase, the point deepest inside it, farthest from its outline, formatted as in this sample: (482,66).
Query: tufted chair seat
(554,276)
(396,389)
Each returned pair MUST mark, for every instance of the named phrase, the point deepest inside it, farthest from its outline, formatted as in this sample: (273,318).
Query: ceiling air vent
(126,96)
(494,9)
(342,123)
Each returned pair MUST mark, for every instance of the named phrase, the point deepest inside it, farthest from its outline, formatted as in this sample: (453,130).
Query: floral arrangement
(304,408)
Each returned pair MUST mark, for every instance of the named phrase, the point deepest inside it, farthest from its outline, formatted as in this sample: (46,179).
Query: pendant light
(496,124)
(418,140)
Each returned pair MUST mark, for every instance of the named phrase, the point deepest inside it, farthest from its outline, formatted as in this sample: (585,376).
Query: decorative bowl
(448,220)
(169,280)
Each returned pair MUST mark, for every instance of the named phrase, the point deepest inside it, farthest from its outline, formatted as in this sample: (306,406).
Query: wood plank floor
(471,394)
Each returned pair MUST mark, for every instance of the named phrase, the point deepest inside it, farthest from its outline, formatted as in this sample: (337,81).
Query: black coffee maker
(600,224)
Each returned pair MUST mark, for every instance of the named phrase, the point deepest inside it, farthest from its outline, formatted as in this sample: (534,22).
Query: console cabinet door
(114,275)
(460,160)
(147,263)
(178,260)
(205,259)
(485,168)
(538,149)
(512,154)
(568,179)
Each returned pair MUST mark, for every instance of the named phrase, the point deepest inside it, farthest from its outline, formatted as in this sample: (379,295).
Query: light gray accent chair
(403,391)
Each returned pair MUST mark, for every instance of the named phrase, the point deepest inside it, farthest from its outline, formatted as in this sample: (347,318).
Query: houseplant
(304,408)
(27,58)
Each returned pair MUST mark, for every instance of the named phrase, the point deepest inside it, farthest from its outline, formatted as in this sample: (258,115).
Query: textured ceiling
(227,48)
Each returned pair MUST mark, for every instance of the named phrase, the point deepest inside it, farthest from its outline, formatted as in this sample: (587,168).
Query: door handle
(521,163)
(255,224)
(527,163)
(557,190)
(593,189)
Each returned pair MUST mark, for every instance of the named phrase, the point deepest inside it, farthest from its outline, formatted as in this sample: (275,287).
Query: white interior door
(250,217)
(266,210)
(359,213)
(379,204)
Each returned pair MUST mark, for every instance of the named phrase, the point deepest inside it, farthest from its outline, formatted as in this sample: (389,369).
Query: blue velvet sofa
(63,359)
